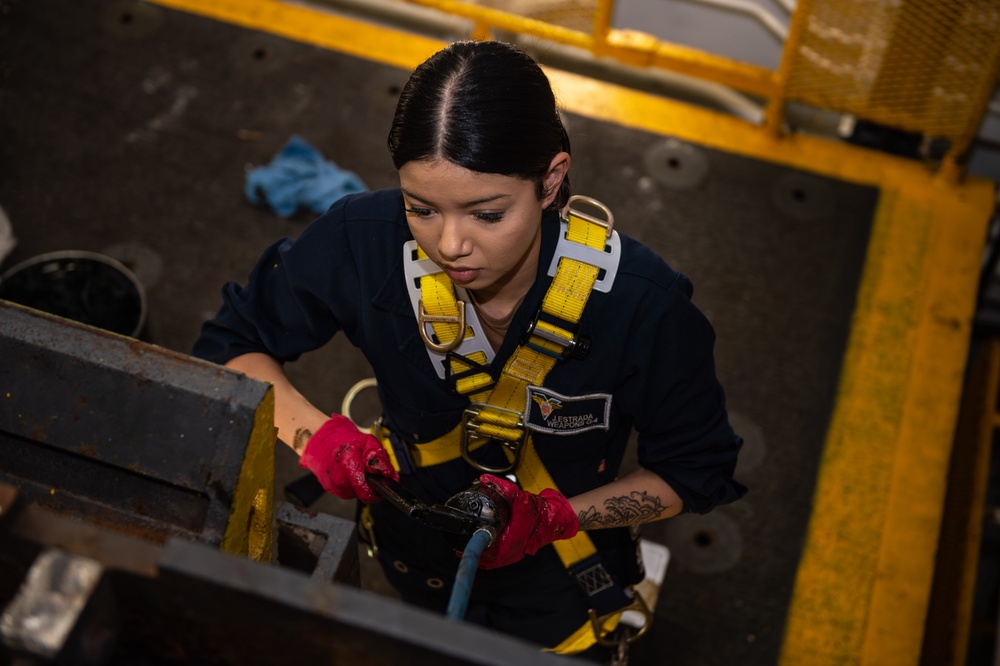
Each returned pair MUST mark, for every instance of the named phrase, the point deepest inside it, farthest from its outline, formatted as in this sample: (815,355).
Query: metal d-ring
(638,605)
(423,319)
(352,393)
(468,434)
(608,224)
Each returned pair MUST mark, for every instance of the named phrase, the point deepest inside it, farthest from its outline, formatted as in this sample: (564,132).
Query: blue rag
(299,177)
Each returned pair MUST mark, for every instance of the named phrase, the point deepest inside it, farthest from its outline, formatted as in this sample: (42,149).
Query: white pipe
(787,5)
(753,10)
(427,21)
(657,81)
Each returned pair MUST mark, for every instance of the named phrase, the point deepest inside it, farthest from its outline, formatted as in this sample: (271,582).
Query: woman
(504,341)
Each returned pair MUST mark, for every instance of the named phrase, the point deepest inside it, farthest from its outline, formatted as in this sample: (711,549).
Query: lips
(462,275)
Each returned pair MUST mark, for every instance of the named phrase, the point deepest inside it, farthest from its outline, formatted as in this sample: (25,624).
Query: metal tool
(478,508)
(471,521)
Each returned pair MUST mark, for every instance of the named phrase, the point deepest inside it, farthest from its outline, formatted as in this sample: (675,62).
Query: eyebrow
(467,204)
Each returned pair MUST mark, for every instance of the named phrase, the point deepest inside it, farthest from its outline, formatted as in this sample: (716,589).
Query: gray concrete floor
(129,132)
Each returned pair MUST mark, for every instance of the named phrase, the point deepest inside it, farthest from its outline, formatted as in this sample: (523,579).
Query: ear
(558,168)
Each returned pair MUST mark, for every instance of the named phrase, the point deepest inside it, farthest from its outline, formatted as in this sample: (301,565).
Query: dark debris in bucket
(84,288)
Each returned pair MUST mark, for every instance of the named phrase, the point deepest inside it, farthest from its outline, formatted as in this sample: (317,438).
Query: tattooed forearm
(636,508)
(302,436)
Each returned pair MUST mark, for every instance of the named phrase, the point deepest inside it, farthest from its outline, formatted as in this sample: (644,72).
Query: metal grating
(925,66)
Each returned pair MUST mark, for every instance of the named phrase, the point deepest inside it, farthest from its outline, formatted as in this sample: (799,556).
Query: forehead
(441,181)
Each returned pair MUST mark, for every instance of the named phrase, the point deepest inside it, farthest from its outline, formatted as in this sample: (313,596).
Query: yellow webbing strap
(382,435)
(528,366)
(583,638)
(566,298)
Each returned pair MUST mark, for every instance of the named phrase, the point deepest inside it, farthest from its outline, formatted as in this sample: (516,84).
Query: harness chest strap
(500,406)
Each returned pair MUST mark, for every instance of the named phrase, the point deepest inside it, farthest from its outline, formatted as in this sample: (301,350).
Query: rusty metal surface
(120,431)
(188,603)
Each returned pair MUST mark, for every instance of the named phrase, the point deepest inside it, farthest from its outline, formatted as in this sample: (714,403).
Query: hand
(340,456)
(535,521)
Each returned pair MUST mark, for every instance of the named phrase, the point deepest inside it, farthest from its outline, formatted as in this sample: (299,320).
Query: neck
(503,296)
(496,315)
(495,324)
(497,304)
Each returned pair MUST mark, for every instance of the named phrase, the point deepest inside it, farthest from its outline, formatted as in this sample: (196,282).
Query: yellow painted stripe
(863,584)
(310,25)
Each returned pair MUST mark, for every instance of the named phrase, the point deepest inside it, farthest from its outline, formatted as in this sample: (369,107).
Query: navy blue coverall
(650,369)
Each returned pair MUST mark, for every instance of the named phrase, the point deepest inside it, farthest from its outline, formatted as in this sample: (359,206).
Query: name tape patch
(558,414)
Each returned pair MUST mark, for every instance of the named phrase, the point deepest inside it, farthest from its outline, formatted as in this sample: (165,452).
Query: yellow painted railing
(923,66)
(542,20)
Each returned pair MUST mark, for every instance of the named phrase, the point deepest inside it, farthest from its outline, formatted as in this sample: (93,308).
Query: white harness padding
(414,269)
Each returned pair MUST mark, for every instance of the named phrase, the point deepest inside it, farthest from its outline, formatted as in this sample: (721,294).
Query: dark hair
(485,106)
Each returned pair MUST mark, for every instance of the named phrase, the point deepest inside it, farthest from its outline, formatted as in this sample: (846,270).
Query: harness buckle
(471,436)
(638,605)
(451,377)
(576,346)
(423,318)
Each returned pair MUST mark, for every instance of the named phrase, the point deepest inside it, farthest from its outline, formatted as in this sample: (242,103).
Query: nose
(454,242)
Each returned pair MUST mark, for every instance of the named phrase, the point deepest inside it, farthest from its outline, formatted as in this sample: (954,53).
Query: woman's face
(483,229)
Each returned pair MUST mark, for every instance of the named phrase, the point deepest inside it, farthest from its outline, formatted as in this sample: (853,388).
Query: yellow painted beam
(937,284)
(251,516)
(742,76)
(632,108)
(511,22)
(631,47)
(864,580)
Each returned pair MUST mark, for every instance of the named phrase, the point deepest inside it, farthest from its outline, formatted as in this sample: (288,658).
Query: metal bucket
(87,287)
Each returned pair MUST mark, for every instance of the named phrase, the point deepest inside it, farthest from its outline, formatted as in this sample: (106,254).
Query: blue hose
(462,589)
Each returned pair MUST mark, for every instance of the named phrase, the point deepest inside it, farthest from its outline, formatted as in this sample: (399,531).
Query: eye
(419,212)
(489,217)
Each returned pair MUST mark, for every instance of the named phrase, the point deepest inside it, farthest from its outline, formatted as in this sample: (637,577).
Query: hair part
(484,106)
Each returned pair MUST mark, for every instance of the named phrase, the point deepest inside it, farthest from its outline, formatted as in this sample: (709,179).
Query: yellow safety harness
(586,259)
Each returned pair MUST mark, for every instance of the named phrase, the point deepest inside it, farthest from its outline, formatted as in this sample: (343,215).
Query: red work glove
(535,521)
(340,455)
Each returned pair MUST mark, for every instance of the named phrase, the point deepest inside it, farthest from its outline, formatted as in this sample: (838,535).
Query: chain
(620,656)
